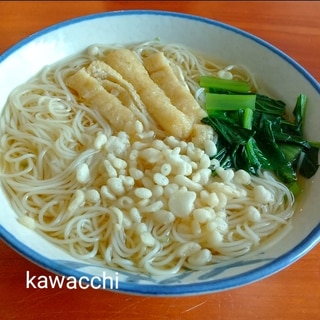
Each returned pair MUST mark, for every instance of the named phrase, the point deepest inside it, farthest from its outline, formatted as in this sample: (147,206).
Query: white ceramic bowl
(275,72)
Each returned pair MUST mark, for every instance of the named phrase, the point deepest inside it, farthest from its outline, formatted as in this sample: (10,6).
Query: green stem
(210,82)
(229,102)
(247,118)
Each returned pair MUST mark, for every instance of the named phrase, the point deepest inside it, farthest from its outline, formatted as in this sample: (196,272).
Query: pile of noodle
(46,133)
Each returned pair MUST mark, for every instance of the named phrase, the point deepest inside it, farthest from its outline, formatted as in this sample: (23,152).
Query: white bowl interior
(275,72)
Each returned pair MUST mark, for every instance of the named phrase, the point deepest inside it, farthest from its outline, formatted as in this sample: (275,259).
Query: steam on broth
(101,156)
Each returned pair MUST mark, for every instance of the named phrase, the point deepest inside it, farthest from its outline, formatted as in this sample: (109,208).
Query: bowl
(275,73)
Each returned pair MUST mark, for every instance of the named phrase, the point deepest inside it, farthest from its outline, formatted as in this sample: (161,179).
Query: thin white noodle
(46,133)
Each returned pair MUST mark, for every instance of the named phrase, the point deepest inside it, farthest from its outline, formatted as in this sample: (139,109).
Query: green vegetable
(248,118)
(299,112)
(270,106)
(212,83)
(220,102)
(254,135)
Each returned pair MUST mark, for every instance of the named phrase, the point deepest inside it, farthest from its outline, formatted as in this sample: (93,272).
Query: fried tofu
(165,114)
(110,107)
(162,74)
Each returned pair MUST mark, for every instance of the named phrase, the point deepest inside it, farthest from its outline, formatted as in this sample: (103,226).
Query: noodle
(144,202)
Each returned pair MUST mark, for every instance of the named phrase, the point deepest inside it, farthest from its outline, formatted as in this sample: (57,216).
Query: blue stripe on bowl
(172,290)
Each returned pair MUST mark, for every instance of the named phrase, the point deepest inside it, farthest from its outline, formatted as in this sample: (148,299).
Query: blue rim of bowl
(211,286)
